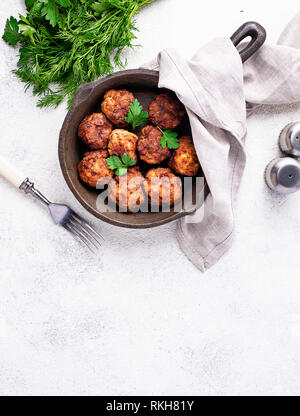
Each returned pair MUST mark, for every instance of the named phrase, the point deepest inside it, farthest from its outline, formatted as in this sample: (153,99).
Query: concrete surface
(140,318)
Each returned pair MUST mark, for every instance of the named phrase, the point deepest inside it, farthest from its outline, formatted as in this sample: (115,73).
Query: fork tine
(84,228)
(79,227)
(87,225)
(83,233)
(78,237)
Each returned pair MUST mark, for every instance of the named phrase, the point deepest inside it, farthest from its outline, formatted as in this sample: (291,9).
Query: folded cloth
(214,86)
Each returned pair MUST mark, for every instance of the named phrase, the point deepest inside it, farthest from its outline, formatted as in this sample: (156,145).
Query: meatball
(184,160)
(149,147)
(166,111)
(122,141)
(93,168)
(116,105)
(94,131)
(163,187)
(128,191)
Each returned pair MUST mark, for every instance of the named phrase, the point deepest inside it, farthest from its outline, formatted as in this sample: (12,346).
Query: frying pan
(144,85)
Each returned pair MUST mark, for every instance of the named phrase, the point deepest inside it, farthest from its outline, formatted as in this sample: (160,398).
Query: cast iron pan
(144,85)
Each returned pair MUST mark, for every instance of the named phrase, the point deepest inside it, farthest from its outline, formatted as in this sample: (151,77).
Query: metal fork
(61,214)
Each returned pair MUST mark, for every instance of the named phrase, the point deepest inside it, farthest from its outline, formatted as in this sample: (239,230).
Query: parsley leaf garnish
(120,166)
(127,160)
(169,139)
(136,116)
(11,33)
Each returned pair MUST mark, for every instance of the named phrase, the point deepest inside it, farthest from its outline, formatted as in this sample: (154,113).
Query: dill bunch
(65,43)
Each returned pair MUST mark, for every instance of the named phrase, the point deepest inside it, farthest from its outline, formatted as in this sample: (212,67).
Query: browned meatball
(163,187)
(184,160)
(166,111)
(128,191)
(93,168)
(122,141)
(149,147)
(115,106)
(94,131)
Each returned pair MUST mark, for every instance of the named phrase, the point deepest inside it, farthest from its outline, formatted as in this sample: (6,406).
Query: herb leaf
(11,33)
(127,160)
(26,30)
(169,139)
(100,6)
(50,11)
(64,3)
(120,166)
(29,3)
(114,162)
(121,171)
(136,116)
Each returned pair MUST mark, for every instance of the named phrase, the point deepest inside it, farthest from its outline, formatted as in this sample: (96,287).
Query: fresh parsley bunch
(65,43)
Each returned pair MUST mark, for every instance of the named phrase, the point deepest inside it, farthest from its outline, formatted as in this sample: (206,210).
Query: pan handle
(258,36)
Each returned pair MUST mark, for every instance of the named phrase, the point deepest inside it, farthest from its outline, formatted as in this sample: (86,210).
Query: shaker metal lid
(283,175)
(289,140)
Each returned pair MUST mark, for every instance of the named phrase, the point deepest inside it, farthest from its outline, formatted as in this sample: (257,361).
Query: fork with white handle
(61,214)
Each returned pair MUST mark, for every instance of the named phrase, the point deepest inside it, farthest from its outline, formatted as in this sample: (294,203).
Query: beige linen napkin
(214,86)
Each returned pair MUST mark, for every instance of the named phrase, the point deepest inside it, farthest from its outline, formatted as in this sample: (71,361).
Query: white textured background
(140,319)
